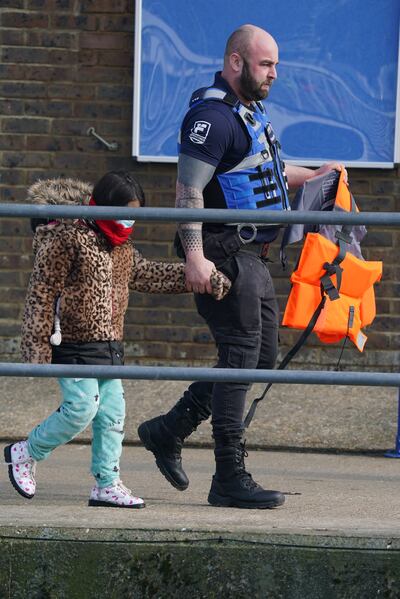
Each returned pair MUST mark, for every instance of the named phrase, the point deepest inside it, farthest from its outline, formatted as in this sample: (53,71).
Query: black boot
(166,448)
(164,435)
(232,486)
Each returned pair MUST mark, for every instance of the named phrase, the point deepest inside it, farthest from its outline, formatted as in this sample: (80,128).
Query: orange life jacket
(332,280)
(332,287)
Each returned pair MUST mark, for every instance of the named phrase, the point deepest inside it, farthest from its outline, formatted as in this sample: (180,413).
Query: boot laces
(120,485)
(30,464)
(246,478)
(176,452)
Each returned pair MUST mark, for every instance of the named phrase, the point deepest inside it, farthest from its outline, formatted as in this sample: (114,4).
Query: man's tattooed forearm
(188,197)
(190,233)
(191,240)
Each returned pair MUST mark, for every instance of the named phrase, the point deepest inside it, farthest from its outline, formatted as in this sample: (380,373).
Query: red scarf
(116,231)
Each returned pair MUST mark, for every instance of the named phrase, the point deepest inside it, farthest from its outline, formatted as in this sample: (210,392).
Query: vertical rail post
(395,453)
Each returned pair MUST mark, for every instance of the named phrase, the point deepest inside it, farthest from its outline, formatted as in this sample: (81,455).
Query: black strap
(289,356)
(326,281)
(327,289)
(350,322)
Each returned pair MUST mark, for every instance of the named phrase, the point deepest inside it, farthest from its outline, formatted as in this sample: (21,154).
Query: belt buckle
(241,226)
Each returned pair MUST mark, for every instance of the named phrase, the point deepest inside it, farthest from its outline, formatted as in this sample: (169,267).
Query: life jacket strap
(328,289)
(326,282)
(350,322)
(289,356)
(344,234)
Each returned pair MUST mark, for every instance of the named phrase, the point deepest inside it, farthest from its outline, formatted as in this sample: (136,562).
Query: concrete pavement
(349,497)
(339,493)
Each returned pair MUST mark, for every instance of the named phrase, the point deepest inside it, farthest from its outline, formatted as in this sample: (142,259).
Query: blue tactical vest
(259,181)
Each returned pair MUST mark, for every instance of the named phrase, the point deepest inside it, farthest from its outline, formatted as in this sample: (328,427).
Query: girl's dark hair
(117,188)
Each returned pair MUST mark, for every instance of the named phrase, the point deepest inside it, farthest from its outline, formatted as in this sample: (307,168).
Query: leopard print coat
(91,279)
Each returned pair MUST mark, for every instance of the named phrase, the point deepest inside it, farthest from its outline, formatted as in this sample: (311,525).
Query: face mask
(126,223)
(116,231)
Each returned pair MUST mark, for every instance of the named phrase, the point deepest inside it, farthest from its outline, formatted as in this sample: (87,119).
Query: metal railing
(205,374)
(180,215)
(217,375)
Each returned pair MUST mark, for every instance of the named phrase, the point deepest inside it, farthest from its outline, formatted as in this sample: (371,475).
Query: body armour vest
(258,181)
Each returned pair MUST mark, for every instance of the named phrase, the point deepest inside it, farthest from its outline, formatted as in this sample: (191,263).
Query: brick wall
(66,66)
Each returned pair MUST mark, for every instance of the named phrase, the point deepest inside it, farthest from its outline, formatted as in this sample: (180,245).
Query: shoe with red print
(21,468)
(116,495)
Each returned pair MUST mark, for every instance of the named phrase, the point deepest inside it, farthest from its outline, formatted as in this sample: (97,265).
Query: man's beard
(250,88)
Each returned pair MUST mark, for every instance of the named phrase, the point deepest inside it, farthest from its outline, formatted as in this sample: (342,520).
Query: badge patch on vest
(199,132)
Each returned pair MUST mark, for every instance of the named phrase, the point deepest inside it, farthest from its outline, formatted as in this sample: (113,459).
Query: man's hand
(198,272)
(331,166)
(297,175)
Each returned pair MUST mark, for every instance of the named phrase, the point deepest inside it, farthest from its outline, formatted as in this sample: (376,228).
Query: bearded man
(229,157)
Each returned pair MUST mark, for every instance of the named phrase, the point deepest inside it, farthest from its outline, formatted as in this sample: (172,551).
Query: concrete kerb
(206,569)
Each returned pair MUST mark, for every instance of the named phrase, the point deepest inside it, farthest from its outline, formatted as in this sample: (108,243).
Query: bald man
(229,157)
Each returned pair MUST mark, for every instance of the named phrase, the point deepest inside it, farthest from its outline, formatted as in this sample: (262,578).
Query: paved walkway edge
(370,540)
(85,563)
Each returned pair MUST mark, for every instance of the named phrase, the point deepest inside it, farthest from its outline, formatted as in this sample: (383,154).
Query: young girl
(74,311)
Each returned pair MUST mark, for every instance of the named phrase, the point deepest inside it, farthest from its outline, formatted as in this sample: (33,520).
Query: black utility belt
(246,232)
(249,228)
(220,240)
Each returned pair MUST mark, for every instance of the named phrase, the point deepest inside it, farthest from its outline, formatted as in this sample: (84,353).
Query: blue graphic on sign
(335,96)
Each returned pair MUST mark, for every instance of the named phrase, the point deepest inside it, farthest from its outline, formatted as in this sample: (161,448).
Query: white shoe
(115,495)
(21,468)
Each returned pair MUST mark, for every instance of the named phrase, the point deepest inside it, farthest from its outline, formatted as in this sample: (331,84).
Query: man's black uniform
(239,142)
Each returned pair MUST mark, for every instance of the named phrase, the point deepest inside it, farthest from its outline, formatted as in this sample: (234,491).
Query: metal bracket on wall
(110,146)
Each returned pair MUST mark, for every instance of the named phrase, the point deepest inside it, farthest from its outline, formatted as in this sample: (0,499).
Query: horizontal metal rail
(302,377)
(217,375)
(180,215)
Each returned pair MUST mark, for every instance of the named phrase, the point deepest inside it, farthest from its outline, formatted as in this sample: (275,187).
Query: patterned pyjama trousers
(85,401)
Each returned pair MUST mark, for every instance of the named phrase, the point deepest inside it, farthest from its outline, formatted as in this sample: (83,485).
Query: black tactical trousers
(244,326)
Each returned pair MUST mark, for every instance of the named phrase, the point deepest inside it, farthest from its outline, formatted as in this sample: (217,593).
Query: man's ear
(236,62)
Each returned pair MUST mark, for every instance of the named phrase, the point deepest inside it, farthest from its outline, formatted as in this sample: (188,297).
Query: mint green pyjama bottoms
(85,401)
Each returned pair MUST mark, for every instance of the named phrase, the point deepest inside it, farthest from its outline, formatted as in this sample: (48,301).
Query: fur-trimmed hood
(60,192)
